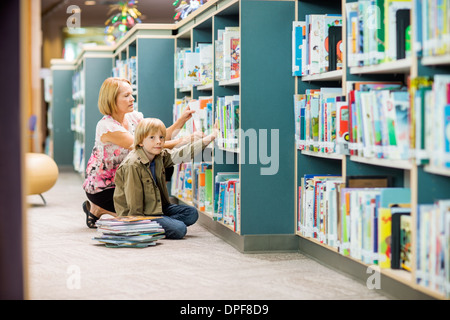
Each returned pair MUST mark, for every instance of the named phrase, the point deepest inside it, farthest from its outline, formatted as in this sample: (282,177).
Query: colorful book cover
(218,47)
(208,190)
(384,237)
(405,242)
(330,20)
(206,60)
(201,191)
(315,44)
(230,33)
(390,123)
(447,136)
(192,69)
(314,107)
(401,103)
(390,36)
(352,30)
(342,131)
(235,58)
(380,21)
(418,43)
(298,45)
(367,124)
(398,235)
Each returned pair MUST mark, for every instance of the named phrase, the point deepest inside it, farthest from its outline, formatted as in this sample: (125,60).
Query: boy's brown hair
(147,127)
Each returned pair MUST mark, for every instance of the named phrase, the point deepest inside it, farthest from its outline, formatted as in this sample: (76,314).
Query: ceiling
(153,11)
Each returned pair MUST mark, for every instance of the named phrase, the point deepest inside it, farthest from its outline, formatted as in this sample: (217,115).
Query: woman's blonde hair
(147,127)
(108,95)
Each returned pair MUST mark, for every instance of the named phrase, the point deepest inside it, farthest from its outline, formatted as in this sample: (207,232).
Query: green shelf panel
(267,88)
(356,168)
(316,165)
(432,187)
(97,70)
(156,78)
(63,137)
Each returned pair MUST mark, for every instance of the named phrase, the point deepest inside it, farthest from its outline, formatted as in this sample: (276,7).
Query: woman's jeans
(176,219)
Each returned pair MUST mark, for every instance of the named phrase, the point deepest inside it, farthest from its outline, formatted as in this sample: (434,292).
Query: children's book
(298,45)
(398,237)
(235,52)
(384,237)
(405,242)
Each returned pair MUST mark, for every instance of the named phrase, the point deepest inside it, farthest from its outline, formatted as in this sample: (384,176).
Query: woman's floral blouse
(106,157)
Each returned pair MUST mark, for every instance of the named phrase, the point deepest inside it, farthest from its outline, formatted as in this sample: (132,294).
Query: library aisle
(66,264)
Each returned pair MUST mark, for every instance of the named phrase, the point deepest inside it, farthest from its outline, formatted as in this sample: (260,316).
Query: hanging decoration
(185,7)
(119,23)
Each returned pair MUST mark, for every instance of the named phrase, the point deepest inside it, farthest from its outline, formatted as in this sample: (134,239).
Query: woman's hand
(187,114)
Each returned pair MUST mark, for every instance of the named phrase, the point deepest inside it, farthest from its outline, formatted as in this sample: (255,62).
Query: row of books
(182,181)
(378,119)
(317,44)
(357,221)
(379,124)
(202,119)
(220,196)
(193,182)
(432,36)
(227,54)
(433,246)
(78,85)
(77,115)
(227,199)
(378,31)
(78,155)
(430,118)
(318,119)
(129,232)
(194,68)
(228,115)
(126,69)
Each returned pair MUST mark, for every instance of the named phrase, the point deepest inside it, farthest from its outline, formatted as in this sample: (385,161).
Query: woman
(113,141)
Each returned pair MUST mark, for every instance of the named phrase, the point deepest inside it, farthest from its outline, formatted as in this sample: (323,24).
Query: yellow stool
(41,173)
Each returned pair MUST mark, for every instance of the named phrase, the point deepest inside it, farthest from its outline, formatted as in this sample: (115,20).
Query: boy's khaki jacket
(136,192)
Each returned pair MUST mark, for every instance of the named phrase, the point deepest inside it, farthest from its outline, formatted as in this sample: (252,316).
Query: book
(235,58)
(398,244)
(391,8)
(403,22)
(334,45)
(384,237)
(129,232)
(406,242)
(298,45)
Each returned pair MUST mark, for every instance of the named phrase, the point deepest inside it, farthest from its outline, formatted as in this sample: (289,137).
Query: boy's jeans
(176,219)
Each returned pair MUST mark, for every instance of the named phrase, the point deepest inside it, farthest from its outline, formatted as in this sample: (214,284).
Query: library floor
(66,264)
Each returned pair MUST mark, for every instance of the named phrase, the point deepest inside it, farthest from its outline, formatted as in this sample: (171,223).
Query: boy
(140,179)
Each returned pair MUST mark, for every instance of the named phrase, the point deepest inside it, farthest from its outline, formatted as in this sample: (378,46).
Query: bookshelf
(92,67)
(427,183)
(262,225)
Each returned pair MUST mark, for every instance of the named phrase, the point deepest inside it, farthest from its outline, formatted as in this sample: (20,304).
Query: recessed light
(90,3)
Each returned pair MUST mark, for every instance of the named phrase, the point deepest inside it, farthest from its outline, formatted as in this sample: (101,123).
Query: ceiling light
(90,3)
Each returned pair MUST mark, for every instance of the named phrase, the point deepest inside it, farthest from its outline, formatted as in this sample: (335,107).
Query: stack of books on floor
(129,232)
